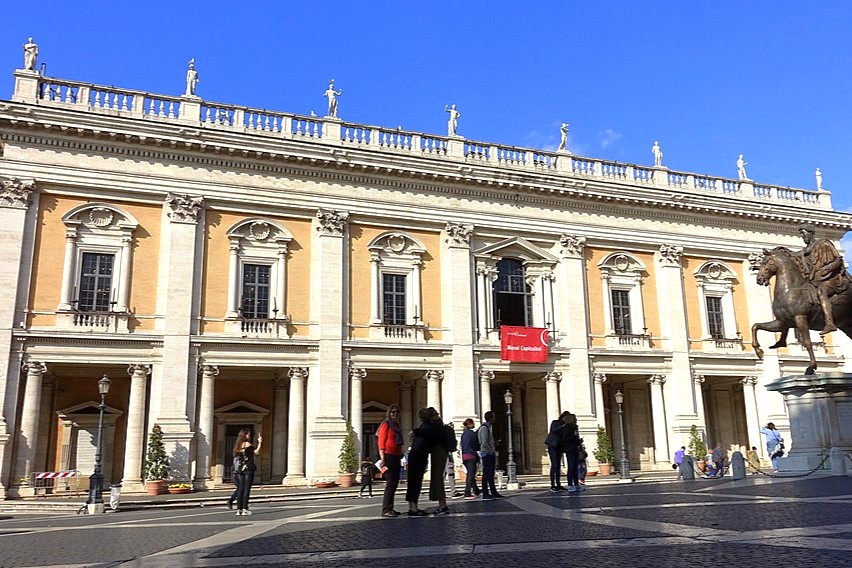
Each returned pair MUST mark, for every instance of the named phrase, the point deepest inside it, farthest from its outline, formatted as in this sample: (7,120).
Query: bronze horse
(795,303)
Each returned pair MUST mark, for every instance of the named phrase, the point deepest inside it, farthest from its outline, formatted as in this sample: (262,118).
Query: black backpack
(451,443)
(475,442)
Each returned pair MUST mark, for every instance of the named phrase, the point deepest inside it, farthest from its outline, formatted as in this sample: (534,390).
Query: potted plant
(348,458)
(696,447)
(604,452)
(156,468)
(324,483)
(178,488)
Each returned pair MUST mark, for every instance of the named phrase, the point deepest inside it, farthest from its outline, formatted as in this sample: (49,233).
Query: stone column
(279,429)
(375,300)
(328,389)
(433,389)
(485,378)
(406,418)
(204,439)
(518,396)
(296,428)
(600,411)
(658,411)
(124,285)
(66,291)
(457,315)
(482,291)
(233,278)
(752,418)
(356,413)
(134,438)
(551,381)
(698,393)
(30,413)
(175,376)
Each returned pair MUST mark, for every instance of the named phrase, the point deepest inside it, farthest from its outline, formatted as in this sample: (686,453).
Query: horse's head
(768,267)
(778,260)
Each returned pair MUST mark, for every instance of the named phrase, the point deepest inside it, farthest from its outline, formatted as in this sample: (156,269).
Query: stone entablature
(575,170)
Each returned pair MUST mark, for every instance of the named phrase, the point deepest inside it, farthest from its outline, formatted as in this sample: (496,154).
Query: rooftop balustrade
(185,110)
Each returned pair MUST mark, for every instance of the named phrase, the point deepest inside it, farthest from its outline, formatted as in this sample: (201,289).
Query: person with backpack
(424,438)
(488,453)
(390,456)
(470,457)
(446,444)
(244,468)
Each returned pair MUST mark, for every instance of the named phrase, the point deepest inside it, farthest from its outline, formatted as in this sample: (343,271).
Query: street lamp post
(96,480)
(511,468)
(625,462)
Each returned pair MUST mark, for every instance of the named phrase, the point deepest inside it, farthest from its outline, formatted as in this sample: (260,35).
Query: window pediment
(622,263)
(518,248)
(396,243)
(714,271)
(100,218)
(259,231)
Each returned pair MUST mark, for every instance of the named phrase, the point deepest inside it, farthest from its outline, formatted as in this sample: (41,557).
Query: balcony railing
(219,116)
(405,332)
(264,327)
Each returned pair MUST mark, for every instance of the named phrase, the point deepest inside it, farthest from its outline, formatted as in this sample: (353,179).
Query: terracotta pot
(155,486)
(606,468)
(179,490)
(324,484)
(347,479)
(591,473)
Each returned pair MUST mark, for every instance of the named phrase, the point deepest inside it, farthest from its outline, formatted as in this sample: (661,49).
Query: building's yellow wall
(650,301)
(214,285)
(741,304)
(597,321)
(49,256)
(361,283)
(693,299)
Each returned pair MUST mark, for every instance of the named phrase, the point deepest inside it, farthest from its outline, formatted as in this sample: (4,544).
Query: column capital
(332,223)
(357,374)
(670,255)
(138,369)
(600,378)
(209,370)
(698,378)
(406,385)
(573,246)
(15,193)
(552,377)
(298,373)
(434,375)
(485,375)
(749,381)
(184,208)
(458,234)
(657,380)
(34,367)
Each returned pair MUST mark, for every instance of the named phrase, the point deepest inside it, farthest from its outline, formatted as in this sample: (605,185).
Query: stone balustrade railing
(193,110)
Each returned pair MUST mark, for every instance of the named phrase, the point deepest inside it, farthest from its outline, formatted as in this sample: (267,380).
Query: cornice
(315,161)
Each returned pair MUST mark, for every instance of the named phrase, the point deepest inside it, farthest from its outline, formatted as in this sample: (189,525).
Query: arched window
(718,322)
(624,314)
(395,310)
(512,294)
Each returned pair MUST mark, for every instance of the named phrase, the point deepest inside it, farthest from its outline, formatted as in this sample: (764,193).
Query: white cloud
(609,136)
(846,244)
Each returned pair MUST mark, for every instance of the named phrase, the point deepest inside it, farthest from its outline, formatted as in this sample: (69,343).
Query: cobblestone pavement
(754,522)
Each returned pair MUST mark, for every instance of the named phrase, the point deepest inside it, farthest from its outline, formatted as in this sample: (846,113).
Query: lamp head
(508,397)
(619,397)
(103,385)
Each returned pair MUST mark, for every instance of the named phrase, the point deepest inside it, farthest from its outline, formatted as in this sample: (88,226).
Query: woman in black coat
(555,443)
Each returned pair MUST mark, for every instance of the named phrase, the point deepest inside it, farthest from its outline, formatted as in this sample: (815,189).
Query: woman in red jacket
(390,455)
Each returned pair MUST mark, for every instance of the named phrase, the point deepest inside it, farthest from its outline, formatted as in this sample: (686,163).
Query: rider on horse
(823,266)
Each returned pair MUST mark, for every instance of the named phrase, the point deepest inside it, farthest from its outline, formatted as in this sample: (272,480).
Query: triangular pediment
(374,406)
(88,407)
(241,407)
(516,247)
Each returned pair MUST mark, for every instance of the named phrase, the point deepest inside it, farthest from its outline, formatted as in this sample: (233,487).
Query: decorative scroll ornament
(298,373)
(670,255)
(698,378)
(458,234)
(434,375)
(749,381)
(552,377)
(485,375)
(332,222)
(572,245)
(755,259)
(140,368)
(15,193)
(184,208)
(357,374)
(599,378)
(657,380)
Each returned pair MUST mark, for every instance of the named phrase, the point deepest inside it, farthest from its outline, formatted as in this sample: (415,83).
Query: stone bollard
(738,469)
(687,468)
(838,462)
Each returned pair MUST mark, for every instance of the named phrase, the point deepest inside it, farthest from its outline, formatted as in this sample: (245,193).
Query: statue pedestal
(820,409)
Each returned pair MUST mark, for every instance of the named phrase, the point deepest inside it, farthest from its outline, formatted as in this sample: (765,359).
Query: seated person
(712,470)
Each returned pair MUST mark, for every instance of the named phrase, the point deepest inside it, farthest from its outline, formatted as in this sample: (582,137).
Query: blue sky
(708,80)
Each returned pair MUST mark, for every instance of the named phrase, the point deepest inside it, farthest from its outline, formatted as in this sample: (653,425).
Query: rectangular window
(96,282)
(621,312)
(255,291)
(715,319)
(393,299)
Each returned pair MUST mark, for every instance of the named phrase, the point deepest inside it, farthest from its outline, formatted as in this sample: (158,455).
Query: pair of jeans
(236,494)
(394,465)
(244,489)
(489,462)
(555,466)
(416,468)
(470,487)
(572,462)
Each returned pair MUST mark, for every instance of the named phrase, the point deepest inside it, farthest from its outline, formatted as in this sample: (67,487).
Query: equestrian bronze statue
(812,291)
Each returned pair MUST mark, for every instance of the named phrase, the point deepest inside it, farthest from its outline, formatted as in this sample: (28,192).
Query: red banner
(523,344)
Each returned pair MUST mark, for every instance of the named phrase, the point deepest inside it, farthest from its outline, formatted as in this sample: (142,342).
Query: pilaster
(279,429)
(551,381)
(204,435)
(356,413)
(134,438)
(296,428)
(485,378)
(658,414)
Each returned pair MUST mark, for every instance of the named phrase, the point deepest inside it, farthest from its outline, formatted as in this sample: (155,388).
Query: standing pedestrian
(678,461)
(774,442)
(488,453)
(583,466)
(367,469)
(720,456)
(571,446)
(470,457)
(554,451)
(390,455)
(244,468)
(423,439)
(753,460)
(445,444)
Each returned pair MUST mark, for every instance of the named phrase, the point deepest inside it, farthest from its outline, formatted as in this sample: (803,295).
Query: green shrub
(604,452)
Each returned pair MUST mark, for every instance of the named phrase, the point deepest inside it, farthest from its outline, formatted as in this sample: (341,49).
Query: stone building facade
(231,267)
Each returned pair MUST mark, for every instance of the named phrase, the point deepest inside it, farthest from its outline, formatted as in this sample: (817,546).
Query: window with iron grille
(512,295)
(621,323)
(393,299)
(95,282)
(715,317)
(255,291)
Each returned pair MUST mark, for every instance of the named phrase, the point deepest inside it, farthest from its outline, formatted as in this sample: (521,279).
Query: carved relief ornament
(331,222)
(15,193)
(184,208)
(572,245)
(670,255)
(458,234)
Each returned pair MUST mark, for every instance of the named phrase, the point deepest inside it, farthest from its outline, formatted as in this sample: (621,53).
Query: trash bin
(114,496)
(501,479)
